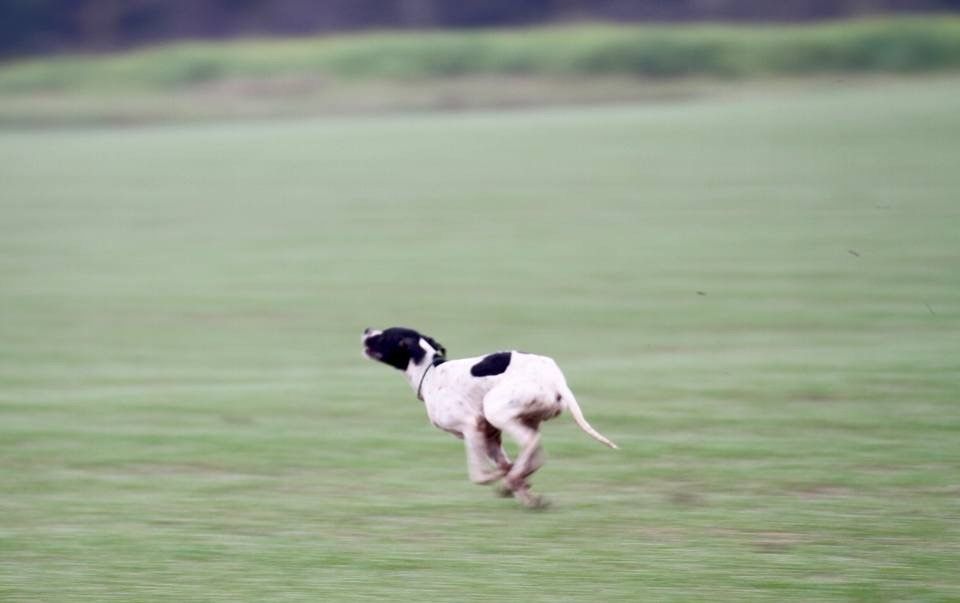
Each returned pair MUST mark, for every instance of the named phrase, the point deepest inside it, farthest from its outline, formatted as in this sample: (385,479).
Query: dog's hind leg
(506,409)
(529,459)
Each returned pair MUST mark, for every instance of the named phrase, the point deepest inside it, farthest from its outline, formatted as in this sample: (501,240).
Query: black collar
(437,361)
(424,376)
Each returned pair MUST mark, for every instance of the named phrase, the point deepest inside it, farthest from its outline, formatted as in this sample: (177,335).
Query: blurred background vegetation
(51,25)
(105,61)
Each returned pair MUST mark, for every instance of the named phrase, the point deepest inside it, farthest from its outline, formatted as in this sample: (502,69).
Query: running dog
(477,399)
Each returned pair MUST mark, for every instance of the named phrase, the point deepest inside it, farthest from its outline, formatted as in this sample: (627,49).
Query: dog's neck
(417,372)
(417,376)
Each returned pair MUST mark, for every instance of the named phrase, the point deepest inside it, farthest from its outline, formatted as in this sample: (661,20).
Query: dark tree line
(30,26)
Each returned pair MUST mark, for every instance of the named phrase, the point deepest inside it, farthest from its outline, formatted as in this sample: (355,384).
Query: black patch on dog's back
(493,364)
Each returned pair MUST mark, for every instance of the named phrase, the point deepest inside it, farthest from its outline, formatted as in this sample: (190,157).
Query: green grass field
(757,297)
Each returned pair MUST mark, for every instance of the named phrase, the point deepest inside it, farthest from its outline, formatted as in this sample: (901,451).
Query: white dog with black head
(476,399)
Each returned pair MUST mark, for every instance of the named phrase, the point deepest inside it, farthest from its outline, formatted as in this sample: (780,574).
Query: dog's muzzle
(368,334)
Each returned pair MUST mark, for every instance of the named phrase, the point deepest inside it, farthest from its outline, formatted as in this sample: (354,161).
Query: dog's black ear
(441,351)
(410,343)
(410,347)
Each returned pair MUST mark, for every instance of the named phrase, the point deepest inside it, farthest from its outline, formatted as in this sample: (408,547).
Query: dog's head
(398,347)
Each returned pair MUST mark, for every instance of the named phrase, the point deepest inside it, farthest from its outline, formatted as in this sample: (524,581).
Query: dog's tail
(571,404)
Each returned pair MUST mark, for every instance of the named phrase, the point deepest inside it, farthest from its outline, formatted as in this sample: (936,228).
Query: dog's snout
(367,331)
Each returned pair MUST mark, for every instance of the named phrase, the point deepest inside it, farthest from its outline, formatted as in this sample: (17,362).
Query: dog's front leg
(477,465)
(498,455)
(494,446)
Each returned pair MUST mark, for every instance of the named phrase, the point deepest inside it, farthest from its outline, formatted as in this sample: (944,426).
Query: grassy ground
(756,297)
(310,97)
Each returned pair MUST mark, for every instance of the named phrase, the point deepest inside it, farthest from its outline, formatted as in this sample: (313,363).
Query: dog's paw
(534,502)
(484,478)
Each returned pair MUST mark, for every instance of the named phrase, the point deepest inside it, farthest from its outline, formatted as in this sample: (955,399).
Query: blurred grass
(756,297)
